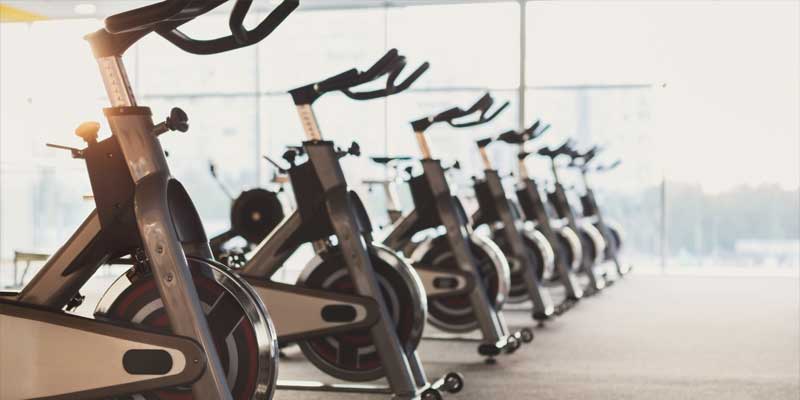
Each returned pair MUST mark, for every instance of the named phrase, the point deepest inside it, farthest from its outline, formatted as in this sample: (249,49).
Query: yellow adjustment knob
(88,131)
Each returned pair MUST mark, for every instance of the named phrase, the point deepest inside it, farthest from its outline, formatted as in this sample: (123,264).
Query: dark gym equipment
(142,212)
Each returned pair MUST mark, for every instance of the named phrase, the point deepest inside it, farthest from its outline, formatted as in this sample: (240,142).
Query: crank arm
(82,358)
(302,313)
(444,283)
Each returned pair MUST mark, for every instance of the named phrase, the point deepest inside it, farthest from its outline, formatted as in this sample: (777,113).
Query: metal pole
(257,121)
(523,28)
(663,223)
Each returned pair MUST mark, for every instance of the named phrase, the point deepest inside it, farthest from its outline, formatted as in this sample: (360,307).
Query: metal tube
(309,122)
(148,167)
(116,82)
(424,149)
(523,60)
(487,163)
(522,169)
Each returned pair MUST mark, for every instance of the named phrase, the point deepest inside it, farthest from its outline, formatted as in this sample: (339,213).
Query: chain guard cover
(351,355)
(247,350)
(454,313)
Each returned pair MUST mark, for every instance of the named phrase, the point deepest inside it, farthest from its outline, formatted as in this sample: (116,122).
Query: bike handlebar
(449,116)
(391,65)
(563,149)
(165,17)
(534,131)
(608,167)
(586,157)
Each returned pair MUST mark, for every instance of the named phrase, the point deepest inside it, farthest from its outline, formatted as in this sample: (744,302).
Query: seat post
(115,80)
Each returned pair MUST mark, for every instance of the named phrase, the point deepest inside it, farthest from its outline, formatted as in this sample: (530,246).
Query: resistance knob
(88,131)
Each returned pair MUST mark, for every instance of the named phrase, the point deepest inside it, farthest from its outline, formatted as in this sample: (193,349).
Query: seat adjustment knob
(88,131)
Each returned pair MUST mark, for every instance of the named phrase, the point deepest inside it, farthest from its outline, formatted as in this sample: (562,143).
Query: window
(701,111)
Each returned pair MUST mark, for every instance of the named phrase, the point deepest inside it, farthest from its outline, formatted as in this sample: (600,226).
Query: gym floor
(649,337)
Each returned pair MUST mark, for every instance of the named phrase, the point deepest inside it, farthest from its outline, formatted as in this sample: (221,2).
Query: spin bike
(181,324)
(533,209)
(530,254)
(358,309)
(591,240)
(254,214)
(612,232)
(464,273)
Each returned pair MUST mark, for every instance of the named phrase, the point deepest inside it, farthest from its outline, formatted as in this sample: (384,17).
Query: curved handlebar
(582,160)
(391,64)
(449,116)
(609,167)
(149,15)
(584,157)
(534,131)
(511,137)
(483,105)
(165,18)
(563,149)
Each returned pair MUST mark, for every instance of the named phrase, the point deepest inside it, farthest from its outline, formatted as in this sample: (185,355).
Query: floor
(649,337)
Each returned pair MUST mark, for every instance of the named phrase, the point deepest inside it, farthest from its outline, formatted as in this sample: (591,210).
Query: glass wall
(709,145)
(701,112)
(236,102)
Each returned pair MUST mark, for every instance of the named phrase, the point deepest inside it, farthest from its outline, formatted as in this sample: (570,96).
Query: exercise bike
(611,231)
(465,274)
(177,324)
(533,209)
(358,309)
(530,254)
(591,240)
(254,214)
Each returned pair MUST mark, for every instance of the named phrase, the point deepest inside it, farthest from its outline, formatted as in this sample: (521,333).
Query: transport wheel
(527,335)
(351,355)
(454,382)
(543,261)
(243,333)
(454,313)
(431,394)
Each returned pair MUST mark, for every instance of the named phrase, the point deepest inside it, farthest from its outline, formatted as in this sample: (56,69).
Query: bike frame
(591,209)
(325,208)
(145,207)
(494,207)
(558,198)
(434,205)
(534,209)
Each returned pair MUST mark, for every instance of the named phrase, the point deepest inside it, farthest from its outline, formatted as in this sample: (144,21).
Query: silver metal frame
(158,230)
(266,338)
(402,368)
(499,262)
(543,306)
(492,324)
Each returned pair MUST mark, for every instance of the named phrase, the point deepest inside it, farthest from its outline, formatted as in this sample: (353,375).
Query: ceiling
(32,10)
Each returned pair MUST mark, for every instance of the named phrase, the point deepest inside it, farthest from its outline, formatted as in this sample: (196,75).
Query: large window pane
(619,119)
(223,131)
(163,69)
(41,190)
(314,45)
(341,120)
(723,99)
(480,50)
(447,143)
